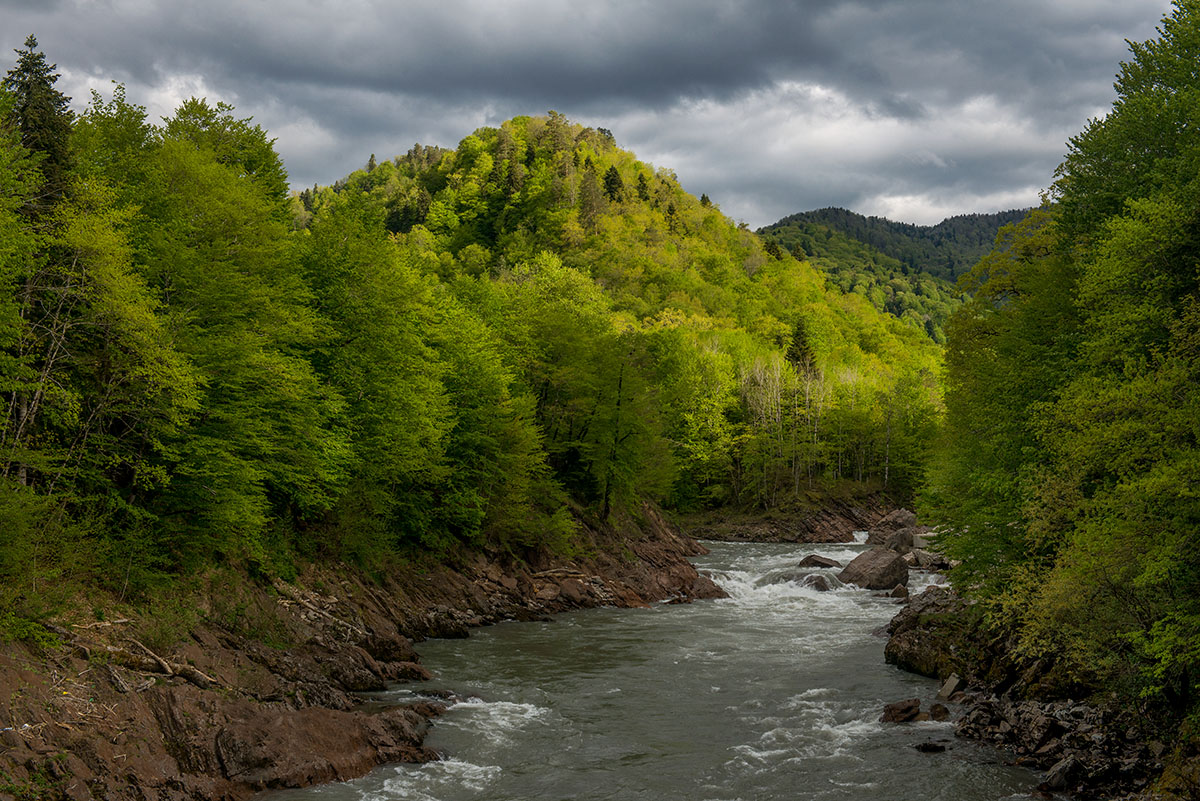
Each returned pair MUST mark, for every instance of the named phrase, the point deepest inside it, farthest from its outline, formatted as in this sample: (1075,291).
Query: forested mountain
(946,250)
(914,295)
(1070,463)
(452,349)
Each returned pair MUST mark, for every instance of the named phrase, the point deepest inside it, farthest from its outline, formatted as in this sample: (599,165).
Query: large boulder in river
(815,560)
(901,711)
(899,540)
(876,569)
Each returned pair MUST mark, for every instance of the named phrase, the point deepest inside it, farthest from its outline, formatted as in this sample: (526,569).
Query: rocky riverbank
(1092,750)
(265,688)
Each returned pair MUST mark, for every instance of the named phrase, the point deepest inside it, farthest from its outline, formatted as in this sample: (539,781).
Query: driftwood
(295,596)
(145,662)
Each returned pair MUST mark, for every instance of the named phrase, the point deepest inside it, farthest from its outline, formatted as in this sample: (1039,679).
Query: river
(773,693)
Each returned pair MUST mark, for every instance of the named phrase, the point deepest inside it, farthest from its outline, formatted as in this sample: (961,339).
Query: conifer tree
(41,114)
(614,187)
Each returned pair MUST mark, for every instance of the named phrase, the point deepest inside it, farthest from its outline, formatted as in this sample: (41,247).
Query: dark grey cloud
(913,109)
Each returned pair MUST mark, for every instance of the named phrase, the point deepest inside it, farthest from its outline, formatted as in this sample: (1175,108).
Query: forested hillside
(451,349)
(946,250)
(913,294)
(1070,463)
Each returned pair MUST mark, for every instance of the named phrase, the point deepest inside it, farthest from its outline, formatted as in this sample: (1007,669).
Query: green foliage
(919,295)
(946,250)
(41,114)
(448,351)
(1072,449)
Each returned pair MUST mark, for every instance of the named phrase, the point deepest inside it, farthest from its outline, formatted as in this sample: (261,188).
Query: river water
(773,693)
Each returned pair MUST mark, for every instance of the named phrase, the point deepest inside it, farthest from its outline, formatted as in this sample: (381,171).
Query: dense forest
(1069,467)
(915,293)
(452,349)
(946,250)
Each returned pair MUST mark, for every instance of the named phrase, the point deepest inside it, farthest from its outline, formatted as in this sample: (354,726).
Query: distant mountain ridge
(946,250)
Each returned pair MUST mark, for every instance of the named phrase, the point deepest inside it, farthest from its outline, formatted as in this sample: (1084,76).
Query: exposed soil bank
(1092,750)
(263,693)
(830,520)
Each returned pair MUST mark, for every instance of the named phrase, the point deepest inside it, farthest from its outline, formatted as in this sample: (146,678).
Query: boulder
(950,687)
(813,560)
(901,711)
(786,576)
(1059,775)
(899,540)
(930,748)
(893,521)
(816,582)
(939,712)
(928,560)
(573,590)
(876,569)
(899,591)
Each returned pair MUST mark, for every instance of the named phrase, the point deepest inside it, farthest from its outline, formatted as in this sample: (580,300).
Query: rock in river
(815,560)
(876,569)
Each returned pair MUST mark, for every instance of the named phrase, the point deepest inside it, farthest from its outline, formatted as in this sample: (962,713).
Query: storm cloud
(914,110)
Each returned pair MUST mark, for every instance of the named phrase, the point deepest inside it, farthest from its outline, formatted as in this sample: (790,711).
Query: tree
(643,187)
(614,187)
(42,115)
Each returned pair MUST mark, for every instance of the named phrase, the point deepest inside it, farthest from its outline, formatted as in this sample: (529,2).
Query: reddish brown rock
(815,560)
(901,711)
(876,569)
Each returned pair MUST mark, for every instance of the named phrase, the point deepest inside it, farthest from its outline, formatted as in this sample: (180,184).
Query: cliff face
(262,691)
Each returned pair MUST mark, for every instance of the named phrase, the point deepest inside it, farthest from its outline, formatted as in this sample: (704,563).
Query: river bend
(773,693)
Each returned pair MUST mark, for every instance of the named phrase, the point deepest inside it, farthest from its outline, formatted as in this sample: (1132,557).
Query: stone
(814,560)
(898,519)
(939,712)
(876,569)
(816,582)
(899,591)
(950,687)
(930,748)
(901,711)
(928,560)
(572,590)
(1059,775)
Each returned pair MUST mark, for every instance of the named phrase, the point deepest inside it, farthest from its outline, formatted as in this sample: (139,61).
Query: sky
(913,110)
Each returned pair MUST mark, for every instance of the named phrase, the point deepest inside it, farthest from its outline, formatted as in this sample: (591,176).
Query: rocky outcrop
(926,560)
(262,691)
(894,521)
(925,636)
(1077,745)
(1080,747)
(876,569)
(829,520)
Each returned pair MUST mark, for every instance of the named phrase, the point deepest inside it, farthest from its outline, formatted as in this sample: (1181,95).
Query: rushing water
(773,693)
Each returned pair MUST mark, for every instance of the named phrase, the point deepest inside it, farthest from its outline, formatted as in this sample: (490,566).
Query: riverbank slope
(256,685)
